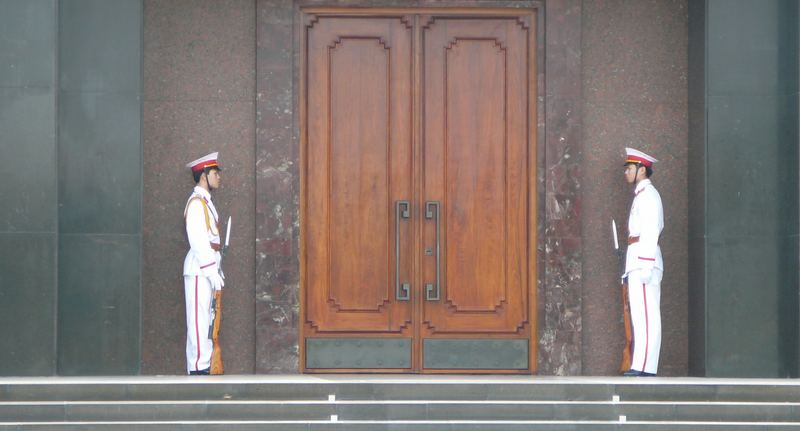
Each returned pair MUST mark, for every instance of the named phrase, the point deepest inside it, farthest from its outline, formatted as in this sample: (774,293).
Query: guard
(643,264)
(201,268)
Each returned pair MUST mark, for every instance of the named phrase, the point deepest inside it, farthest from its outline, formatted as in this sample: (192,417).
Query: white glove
(645,274)
(216,281)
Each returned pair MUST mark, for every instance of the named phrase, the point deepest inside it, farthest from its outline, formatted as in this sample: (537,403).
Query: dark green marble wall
(70,233)
(28,217)
(744,199)
(696,179)
(99,193)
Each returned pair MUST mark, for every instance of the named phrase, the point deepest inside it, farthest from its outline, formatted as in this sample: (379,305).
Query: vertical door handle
(432,209)
(402,211)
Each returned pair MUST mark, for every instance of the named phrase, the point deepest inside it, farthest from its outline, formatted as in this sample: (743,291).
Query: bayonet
(227,236)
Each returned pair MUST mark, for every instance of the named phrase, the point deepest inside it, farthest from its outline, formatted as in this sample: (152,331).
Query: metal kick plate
(358,353)
(464,353)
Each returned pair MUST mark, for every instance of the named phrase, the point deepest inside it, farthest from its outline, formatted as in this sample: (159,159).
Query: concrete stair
(335,402)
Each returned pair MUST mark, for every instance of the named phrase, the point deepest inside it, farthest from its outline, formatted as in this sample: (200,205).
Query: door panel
(476,166)
(358,161)
(417,222)
(359,173)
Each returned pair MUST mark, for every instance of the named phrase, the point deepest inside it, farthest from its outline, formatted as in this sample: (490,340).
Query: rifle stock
(217,367)
(216,354)
(625,363)
(627,350)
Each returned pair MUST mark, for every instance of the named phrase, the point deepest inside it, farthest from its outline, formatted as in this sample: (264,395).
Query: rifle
(217,367)
(625,363)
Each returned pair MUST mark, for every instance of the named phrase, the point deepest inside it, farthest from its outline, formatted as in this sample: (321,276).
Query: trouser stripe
(196,323)
(646,326)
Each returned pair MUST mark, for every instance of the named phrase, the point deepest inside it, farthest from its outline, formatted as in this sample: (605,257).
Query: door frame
(534,16)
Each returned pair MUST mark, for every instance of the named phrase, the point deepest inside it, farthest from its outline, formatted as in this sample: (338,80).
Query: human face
(631,171)
(214,179)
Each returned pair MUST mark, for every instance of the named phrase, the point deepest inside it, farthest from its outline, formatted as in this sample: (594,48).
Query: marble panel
(199,86)
(99,162)
(635,50)
(564,153)
(98,328)
(635,83)
(28,303)
(559,352)
(661,130)
(277,333)
(743,331)
(563,46)
(99,43)
(757,61)
(277,267)
(27,119)
(28,43)
(199,49)
(176,132)
(274,11)
(562,173)
(560,243)
(747,137)
(274,46)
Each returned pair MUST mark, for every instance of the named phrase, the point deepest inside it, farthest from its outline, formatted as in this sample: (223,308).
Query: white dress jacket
(202,230)
(646,222)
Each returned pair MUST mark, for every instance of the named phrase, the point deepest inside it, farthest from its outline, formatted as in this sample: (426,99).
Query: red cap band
(203,165)
(636,159)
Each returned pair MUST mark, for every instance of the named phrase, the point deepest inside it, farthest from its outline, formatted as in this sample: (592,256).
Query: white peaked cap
(636,156)
(207,161)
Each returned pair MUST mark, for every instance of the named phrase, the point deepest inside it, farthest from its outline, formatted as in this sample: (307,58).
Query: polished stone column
(634,95)
(29,217)
(99,186)
(277,189)
(199,96)
(744,199)
(560,153)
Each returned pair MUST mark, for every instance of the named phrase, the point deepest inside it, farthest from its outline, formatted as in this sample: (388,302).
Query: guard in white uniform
(201,268)
(643,264)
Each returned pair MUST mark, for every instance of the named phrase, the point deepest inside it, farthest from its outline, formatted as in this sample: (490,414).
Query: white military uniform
(645,224)
(202,260)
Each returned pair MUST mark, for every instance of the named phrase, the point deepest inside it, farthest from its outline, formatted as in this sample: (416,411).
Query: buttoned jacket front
(202,230)
(645,224)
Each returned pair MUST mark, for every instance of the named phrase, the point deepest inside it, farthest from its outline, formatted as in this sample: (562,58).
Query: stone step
(420,388)
(398,410)
(396,403)
(403,425)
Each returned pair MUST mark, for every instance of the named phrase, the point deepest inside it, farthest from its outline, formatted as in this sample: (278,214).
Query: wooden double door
(418,225)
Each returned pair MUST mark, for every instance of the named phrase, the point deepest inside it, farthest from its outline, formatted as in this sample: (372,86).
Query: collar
(202,192)
(642,184)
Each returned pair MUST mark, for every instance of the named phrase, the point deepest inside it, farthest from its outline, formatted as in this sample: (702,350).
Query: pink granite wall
(634,94)
(199,96)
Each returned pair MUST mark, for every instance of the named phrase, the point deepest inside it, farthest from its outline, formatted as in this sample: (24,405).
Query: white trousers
(198,293)
(645,304)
